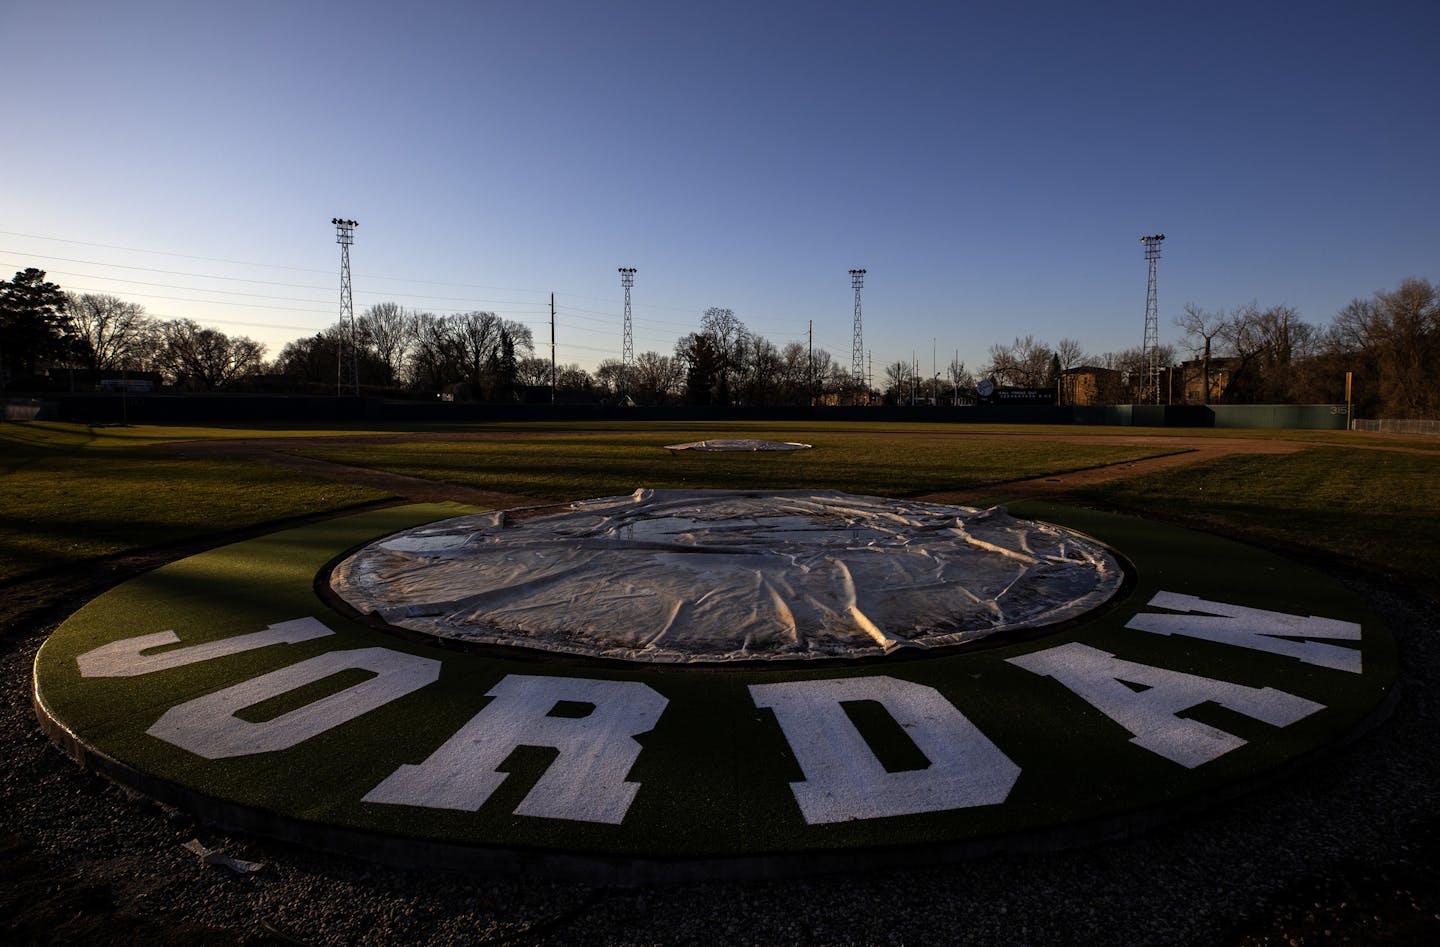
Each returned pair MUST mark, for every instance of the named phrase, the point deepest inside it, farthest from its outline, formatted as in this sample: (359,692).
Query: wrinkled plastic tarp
(715,445)
(686,576)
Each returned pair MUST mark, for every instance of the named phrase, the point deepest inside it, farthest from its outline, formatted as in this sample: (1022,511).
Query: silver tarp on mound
(732,444)
(685,576)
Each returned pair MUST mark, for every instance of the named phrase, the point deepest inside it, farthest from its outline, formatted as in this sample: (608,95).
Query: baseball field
(204,525)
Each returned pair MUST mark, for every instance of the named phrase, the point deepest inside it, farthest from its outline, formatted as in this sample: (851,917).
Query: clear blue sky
(992,165)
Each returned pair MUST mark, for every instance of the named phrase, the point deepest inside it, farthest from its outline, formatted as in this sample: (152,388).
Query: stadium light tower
(1150,348)
(348,373)
(857,349)
(627,348)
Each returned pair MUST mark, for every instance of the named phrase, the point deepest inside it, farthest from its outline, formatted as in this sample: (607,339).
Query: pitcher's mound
(715,576)
(719,444)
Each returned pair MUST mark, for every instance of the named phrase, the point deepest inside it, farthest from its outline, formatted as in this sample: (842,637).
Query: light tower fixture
(1150,347)
(857,348)
(347,374)
(627,348)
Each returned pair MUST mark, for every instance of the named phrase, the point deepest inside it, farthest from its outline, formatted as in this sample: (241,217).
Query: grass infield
(1373,507)
(71,493)
(715,773)
(886,462)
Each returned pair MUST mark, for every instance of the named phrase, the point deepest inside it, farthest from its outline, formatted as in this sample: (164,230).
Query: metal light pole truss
(1150,349)
(348,375)
(627,349)
(857,350)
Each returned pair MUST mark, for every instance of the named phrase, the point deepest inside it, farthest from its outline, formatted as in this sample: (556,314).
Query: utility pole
(552,348)
(347,373)
(857,347)
(627,350)
(811,374)
(1150,348)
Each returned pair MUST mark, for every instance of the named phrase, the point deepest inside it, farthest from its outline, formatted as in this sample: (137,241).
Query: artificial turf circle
(710,772)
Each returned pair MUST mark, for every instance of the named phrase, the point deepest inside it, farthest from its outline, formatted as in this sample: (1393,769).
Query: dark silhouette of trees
(1392,341)
(387,330)
(1201,328)
(1025,364)
(192,356)
(34,323)
(758,372)
(655,379)
(899,382)
(704,369)
(727,336)
(110,332)
(477,351)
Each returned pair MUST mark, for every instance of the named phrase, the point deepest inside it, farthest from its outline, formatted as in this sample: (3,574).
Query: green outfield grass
(69,493)
(882,462)
(1375,506)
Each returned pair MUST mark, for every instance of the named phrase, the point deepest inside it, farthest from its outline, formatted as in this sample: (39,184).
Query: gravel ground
(1345,850)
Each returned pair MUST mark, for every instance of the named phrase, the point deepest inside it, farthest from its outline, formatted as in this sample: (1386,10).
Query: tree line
(1389,342)
(41,325)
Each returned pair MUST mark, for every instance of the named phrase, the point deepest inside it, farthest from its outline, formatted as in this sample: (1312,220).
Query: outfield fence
(219,408)
(1397,426)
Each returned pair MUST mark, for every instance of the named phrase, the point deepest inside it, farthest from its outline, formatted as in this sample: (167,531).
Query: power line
(299,269)
(656,329)
(235,279)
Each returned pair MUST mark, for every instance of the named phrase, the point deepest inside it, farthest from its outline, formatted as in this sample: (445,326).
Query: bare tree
(727,336)
(656,378)
(608,375)
(1025,363)
(390,330)
(573,379)
(1263,343)
(197,357)
(824,371)
(473,338)
(794,374)
(961,379)
(899,382)
(312,359)
(533,372)
(840,383)
(429,362)
(1201,328)
(1133,367)
(112,331)
(1395,336)
(758,371)
(1071,354)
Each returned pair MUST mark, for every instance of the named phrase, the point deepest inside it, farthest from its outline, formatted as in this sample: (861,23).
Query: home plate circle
(677,685)
(707,576)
